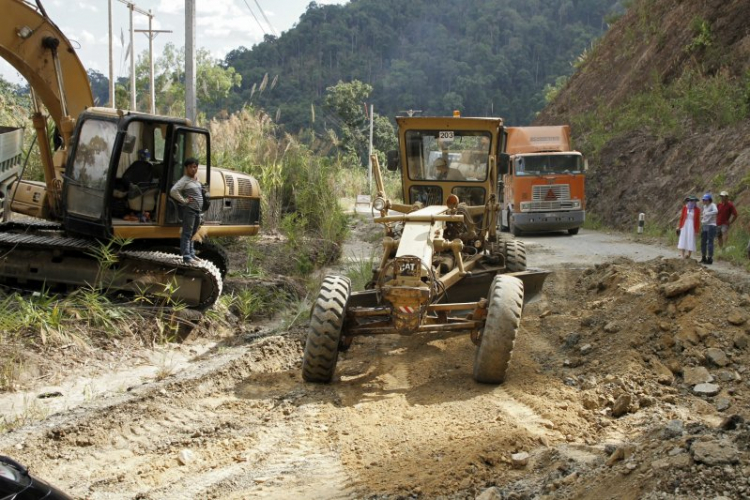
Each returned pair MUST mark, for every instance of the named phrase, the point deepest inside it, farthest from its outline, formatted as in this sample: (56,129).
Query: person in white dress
(688,227)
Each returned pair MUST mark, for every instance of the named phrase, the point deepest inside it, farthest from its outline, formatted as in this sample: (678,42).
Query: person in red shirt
(725,218)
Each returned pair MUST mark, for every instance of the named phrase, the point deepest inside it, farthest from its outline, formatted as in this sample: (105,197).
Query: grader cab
(444,266)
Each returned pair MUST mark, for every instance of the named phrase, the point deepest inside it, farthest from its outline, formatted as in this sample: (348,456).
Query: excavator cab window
(86,176)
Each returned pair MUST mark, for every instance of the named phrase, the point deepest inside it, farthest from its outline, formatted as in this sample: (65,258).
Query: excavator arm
(37,49)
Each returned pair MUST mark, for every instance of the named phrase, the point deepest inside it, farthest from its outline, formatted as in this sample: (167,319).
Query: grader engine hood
(411,288)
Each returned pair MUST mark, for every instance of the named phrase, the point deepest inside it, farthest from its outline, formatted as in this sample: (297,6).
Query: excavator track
(38,255)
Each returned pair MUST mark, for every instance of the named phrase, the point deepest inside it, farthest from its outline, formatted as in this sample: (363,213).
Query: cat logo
(550,195)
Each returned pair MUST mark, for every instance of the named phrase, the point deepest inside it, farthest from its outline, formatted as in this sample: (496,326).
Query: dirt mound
(657,353)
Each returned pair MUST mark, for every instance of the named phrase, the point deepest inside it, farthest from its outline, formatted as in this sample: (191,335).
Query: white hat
(723,193)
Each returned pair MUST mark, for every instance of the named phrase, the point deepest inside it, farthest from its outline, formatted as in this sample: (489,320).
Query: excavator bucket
(533,281)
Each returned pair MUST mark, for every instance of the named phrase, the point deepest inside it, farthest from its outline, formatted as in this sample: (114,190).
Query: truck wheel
(499,334)
(515,256)
(573,231)
(324,335)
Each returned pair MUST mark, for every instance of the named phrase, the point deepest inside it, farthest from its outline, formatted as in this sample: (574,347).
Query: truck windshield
(546,164)
(447,155)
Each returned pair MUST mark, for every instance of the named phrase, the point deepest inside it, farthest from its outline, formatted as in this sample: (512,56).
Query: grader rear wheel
(499,335)
(515,256)
(326,324)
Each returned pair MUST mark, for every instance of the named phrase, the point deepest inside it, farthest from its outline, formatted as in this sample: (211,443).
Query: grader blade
(533,282)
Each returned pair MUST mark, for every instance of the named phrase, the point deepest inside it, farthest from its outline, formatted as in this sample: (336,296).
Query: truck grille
(551,197)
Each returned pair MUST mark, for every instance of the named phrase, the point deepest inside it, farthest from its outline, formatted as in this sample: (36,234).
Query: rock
(493,493)
(740,341)
(728,376)
(185,457)
(621,453)
(723,404)
(708,390)
(664,326)
(612,327)
(663,374)
(704,331)
(571,340)
(737,317)
(717,452)
(687,304)
(615,457)
(590,402)
(693,375)
(680,461)
(673,429)
(687,336)
(520,460)
(681,286)
(585,349)
(716,357)
(621,406)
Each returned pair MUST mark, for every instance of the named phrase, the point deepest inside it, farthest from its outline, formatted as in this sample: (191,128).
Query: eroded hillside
(661,107)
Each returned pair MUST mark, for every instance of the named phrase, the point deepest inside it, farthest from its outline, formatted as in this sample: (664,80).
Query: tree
(99,87)
(213,81)
(347,102)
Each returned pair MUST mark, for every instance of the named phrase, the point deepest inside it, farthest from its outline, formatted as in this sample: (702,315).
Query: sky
(221,26)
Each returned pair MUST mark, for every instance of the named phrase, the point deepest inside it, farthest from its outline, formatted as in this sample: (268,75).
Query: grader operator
(99,186)
(444,266)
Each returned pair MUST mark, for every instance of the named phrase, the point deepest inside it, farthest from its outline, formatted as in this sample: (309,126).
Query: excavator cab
(110,187)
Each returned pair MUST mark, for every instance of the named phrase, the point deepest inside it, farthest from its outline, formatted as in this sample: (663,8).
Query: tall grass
(294,173)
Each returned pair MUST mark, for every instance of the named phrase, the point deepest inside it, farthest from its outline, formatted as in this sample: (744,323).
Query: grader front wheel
(326,324)
(499,335)
(515,256)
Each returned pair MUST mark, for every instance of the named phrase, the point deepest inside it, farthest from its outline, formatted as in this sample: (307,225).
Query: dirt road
(404,419)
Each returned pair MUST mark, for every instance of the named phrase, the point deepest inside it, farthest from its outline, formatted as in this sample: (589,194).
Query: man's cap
(144,152)
(692,197)
(723,193)
(707,196)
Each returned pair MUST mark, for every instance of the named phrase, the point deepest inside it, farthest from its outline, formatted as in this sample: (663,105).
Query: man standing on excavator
(187,191)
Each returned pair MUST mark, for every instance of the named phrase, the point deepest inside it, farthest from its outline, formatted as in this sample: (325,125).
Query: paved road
(595,247)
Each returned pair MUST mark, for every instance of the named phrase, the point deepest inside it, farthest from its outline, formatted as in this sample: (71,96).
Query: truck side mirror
(392,160)
(503,163)
(585,165)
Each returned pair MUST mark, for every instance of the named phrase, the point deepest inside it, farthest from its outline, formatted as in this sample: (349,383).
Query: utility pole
(191,106)
(151,34)
(133,8)
(111,64)
(369,153)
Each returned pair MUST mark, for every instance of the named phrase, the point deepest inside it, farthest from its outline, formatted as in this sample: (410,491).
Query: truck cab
(543,181)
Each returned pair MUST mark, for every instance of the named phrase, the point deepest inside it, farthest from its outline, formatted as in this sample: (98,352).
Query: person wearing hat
(708,229)
(688,227)
(725,218)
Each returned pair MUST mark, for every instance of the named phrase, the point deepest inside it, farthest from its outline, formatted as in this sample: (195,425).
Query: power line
(266,18)
(254,17)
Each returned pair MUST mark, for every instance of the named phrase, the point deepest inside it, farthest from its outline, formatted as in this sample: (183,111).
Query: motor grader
(445,267)
(100,188)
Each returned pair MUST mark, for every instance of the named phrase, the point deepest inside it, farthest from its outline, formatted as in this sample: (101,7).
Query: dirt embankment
(647,48)
(629,380)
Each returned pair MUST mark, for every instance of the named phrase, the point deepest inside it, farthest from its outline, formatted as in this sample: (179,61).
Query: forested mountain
(483,57)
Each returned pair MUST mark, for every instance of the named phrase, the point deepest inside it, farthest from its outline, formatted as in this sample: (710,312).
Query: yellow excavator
(100,187)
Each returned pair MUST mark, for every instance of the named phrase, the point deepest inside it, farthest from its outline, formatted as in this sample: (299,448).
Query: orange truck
(543,181)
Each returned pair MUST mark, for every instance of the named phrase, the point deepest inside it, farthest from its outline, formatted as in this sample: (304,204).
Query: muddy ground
(629,380)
